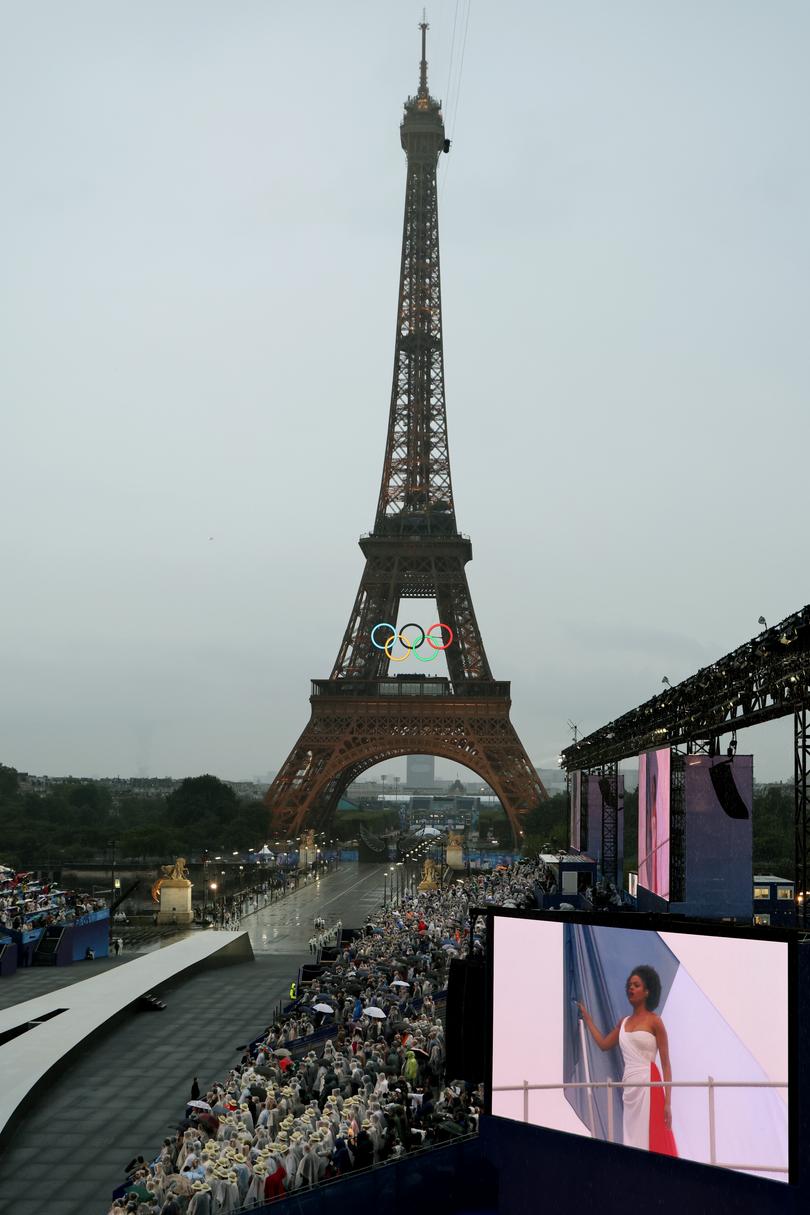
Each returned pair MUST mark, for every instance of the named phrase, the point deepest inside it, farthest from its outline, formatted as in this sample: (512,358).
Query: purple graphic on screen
(718,795)
(653,821)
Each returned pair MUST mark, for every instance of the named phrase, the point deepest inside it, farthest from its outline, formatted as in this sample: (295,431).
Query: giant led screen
(670,1042)
(653,821)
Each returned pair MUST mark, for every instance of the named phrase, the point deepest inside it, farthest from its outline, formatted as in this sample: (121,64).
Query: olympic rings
(411,648)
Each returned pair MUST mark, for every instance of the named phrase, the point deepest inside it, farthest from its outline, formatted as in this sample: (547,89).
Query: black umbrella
(259,1091)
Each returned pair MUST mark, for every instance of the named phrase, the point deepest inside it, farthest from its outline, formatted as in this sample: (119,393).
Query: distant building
(774,901)
(420,771)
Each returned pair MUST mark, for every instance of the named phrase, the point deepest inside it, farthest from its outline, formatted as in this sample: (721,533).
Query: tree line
(79,820)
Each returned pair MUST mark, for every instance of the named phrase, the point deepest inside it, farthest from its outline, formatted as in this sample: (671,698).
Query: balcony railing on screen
(710,1084)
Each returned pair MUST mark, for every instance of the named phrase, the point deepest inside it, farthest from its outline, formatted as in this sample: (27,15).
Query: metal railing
(710,1084)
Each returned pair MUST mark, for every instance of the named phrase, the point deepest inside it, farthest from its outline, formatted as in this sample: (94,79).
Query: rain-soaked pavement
(125,1091)
(348,895)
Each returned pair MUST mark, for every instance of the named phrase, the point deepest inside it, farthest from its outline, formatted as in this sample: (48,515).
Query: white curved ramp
(63,1020)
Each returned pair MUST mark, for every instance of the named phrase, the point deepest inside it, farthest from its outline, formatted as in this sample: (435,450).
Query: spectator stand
(47,925)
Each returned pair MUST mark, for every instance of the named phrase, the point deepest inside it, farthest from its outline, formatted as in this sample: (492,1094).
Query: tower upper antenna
(423,85)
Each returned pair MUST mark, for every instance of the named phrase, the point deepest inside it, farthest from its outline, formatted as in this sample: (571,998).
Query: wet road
(348,895)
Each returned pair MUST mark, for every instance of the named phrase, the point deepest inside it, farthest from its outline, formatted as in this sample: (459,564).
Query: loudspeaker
(465,1032)
(608,794)
(726,791)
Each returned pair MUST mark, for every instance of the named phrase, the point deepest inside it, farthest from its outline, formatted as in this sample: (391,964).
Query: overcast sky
(201,218)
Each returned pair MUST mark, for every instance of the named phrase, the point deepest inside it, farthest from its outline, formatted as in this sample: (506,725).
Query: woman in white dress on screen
(641,1036)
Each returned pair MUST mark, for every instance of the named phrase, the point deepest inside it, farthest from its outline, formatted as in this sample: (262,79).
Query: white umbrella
(373,1012)
(323,1008)
(399,983)
(199,1105)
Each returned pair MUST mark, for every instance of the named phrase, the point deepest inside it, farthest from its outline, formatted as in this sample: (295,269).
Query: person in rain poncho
(307,1172)
(376,1133)
(255,1195)
(200,1203)
(322,1152)
(218,1180)
(240,1168)
(230,1199)
(245,1116)
(411,1069)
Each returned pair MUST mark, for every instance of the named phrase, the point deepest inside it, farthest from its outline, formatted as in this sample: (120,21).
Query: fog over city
(202,218)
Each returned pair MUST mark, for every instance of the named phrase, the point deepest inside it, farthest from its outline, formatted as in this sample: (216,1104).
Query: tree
(549,820)
(9,782)
(199,798)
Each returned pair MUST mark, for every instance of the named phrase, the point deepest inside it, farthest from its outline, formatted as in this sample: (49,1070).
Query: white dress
(639,1048)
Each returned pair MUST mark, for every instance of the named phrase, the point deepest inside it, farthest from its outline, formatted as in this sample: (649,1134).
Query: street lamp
(112,876)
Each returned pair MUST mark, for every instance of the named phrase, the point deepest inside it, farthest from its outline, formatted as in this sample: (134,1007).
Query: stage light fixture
(763,622)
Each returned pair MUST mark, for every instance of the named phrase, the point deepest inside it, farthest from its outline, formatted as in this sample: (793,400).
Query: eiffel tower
(363,713)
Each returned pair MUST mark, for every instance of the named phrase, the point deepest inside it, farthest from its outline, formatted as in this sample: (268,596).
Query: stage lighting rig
(765,678)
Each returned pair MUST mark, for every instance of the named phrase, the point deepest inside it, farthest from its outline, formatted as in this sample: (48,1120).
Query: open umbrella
(324,1008)
(282,1053)
(198,1105)
(374,1012)
(399,983)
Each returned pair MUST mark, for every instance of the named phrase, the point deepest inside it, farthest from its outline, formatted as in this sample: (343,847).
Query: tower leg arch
(306,792)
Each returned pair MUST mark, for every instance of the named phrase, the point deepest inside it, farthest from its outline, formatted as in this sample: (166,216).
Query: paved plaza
(124,1093)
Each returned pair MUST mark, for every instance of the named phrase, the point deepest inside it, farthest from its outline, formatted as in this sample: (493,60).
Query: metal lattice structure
(766,678)
(610,824)
(360,715)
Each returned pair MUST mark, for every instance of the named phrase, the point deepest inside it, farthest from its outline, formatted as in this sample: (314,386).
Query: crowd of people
(27,903)
(351,1075)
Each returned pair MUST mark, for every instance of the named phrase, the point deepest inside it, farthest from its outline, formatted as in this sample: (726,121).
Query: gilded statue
(177,872)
